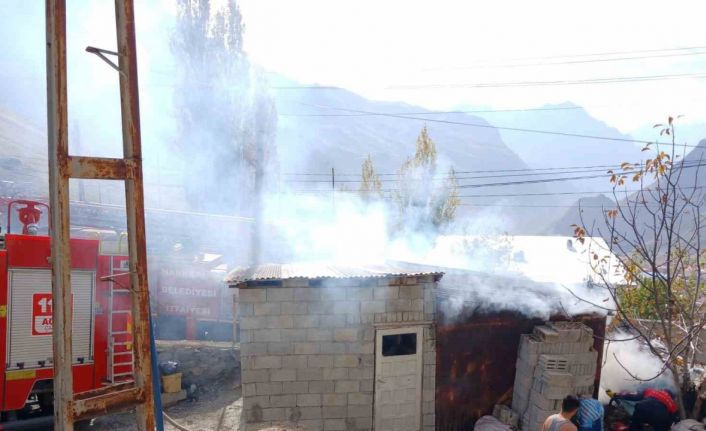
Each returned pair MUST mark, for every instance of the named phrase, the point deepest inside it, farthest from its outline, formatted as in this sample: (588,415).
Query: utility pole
(70,407)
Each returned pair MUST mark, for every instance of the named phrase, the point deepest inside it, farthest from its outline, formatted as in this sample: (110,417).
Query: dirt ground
(217,408)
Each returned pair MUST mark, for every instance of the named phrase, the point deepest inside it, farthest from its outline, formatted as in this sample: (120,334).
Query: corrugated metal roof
(310,271)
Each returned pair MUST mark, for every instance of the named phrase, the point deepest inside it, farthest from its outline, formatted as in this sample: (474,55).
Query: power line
(446,177)
(554,63)
(603,192)
(512,129)
(590,81)
(479,111)
(538,181)
(608,80)
(596,54)
(553,168)
(473,111)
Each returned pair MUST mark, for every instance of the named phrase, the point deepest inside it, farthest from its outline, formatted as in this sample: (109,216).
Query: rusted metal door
(398,378)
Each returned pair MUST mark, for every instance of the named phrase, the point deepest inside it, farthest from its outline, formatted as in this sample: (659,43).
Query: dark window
(399,344)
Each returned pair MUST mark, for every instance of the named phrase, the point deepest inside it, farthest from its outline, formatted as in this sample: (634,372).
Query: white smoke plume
(628,354)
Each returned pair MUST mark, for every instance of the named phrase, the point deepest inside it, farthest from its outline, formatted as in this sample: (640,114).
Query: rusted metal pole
(57,126)
(134,202)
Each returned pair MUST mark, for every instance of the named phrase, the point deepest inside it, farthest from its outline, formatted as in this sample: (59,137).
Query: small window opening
(399,344)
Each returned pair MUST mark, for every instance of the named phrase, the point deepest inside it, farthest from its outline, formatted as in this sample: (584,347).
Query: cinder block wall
(308,352)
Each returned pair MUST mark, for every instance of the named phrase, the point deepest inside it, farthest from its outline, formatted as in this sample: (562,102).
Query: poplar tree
(370,186)
(422,200)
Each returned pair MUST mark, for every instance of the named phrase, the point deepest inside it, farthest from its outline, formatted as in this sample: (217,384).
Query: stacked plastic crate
(556,360)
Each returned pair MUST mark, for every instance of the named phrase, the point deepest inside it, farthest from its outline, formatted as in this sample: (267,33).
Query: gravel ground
(217,408)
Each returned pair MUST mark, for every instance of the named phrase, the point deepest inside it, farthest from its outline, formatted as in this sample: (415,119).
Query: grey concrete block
(249,389)
(372,306)
(346,307)
(306,413)
(319,334)
(267,361)
(308,348)
(250,349)
(346,334)
(282,348)
(411,292)
(279,294)
(367,385)
(360,411)
(333,321)
(305,321)
(332,348)
(361,373)
(283,375)
(335,373)
(320,361)
(266,335)
(347,361)
(280,322)
(245,309)
(298,361)
(335,425)
(307,294)
(252,295)
(343,386)
(262,401)
(386,292)
(357,398)
(282,400)
(295,308)
(254,376)
(395,305)
(333,412)
(269,388)
(334,400)
(359,293)
(267,309)
(308,400)
(307,374)
(293,334)
(321,386)
(295,387)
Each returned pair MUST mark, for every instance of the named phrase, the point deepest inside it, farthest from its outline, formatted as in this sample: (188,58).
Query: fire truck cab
(101,332)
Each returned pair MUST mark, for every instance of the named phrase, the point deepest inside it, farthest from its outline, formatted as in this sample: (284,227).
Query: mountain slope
(314,138)
(691,178)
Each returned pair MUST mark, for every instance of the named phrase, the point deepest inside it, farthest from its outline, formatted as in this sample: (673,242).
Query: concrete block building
(337,348)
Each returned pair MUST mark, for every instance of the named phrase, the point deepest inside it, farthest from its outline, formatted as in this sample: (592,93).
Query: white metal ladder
(118,346)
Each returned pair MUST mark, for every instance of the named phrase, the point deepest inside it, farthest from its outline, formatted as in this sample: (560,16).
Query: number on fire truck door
(42,305)
(30,322)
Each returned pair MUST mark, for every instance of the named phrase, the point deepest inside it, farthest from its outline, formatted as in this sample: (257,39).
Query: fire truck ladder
(70,407)
(120,348)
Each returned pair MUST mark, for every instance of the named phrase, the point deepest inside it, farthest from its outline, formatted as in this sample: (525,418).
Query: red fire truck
(101,336)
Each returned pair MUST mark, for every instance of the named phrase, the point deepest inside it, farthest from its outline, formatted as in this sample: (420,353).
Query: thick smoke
(185,170)
(629,354)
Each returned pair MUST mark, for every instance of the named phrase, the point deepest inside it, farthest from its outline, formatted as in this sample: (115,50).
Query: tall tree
(370,186)
(656,234)
(225,118)
(422,200)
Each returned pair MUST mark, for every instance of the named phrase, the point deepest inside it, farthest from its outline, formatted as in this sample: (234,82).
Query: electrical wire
(446,177)
(512,129)
(537,181)
(555,63)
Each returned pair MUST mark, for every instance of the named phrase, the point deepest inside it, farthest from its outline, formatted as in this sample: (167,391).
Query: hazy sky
(373,46)
(381,47)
